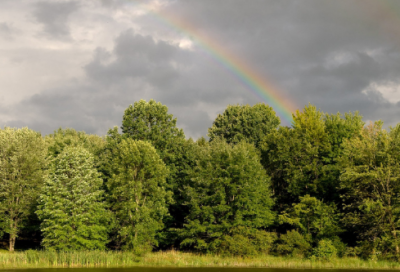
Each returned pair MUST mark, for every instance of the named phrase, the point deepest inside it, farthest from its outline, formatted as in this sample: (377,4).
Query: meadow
(109,259)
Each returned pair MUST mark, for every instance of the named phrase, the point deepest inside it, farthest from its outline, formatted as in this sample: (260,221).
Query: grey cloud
(136,57)
(6,31)
(319,51)
(54,16)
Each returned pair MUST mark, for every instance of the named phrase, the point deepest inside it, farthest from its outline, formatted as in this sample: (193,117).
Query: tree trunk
(12,242)
(397,244)
(13,235)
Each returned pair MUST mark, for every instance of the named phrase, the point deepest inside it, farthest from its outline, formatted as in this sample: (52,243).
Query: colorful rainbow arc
(237,67)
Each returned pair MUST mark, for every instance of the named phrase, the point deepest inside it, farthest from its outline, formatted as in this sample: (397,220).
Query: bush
(340,246)
(247,242)
(325,250)
(294,244)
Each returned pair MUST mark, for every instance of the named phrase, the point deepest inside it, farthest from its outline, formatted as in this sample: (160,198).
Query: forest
(327,186)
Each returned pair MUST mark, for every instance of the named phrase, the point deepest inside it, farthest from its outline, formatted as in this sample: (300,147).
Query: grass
(47,259)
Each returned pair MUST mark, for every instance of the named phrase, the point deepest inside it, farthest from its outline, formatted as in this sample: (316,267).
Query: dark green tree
(228,189)
(71,206)
(313,217)
(22,164)
(371,188)
(244,122)
(137,193)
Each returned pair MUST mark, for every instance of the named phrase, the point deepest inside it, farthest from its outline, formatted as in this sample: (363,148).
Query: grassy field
(46,259)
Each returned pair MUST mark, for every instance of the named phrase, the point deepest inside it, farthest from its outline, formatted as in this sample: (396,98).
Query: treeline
(327,186)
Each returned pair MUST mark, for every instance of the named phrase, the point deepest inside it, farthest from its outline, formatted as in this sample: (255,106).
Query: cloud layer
(80,64)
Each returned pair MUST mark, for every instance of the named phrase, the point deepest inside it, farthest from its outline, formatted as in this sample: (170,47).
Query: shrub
(294,244)
(247,242)
(340,246)
(325,250)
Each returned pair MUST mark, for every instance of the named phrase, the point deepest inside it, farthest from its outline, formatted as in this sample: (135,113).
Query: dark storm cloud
(299,44)
(54,16)
(136,57)
(330,53)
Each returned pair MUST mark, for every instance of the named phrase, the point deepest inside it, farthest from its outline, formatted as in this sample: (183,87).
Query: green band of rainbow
(257,84)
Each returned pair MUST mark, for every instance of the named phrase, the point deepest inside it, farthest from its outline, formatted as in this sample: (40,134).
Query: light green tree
(22,164)
(137,192)
(71,205)
(228,189)
(150,121)
(244,122)
(69,137)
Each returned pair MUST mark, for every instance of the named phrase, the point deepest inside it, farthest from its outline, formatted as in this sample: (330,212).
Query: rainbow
(243,72)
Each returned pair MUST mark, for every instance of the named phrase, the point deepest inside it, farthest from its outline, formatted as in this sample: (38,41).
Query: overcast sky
(79,64)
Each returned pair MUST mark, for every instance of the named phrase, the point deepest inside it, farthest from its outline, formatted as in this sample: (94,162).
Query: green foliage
(341,248)
(313,217)
(181,159)
(150,121)
(22,165)
(295,157)
(228,188)
(244,241)
(293,244)
(303,160)
(371,187)
(69,137)
(71,205)
(325,250)
(137,193)
(244,122)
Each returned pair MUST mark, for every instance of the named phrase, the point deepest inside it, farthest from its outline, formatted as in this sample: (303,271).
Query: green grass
(47,259)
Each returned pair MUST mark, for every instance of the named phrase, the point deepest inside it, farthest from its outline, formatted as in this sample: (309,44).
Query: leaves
(22,170)
(71,204)
(228,188)
(137,192)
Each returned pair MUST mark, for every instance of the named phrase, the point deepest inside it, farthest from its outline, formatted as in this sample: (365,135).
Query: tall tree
(22,164)
(228,189)
(150,121)
(71,205)
(371,187)
(244,122)
(137,192)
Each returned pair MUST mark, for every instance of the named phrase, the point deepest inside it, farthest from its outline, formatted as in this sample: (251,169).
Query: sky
(80,64)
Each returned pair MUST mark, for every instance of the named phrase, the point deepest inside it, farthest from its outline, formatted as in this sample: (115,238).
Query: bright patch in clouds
(389,90)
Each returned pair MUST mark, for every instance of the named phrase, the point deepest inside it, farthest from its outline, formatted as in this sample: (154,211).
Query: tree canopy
(73,215)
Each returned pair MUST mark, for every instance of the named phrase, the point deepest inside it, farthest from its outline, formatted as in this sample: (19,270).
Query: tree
(150,121)
(71,205)
(303,159)
(69,137)
(244,122)
(294,157)
(371,187)
(228,189)
(22,164)
(181,159)
(137,192)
